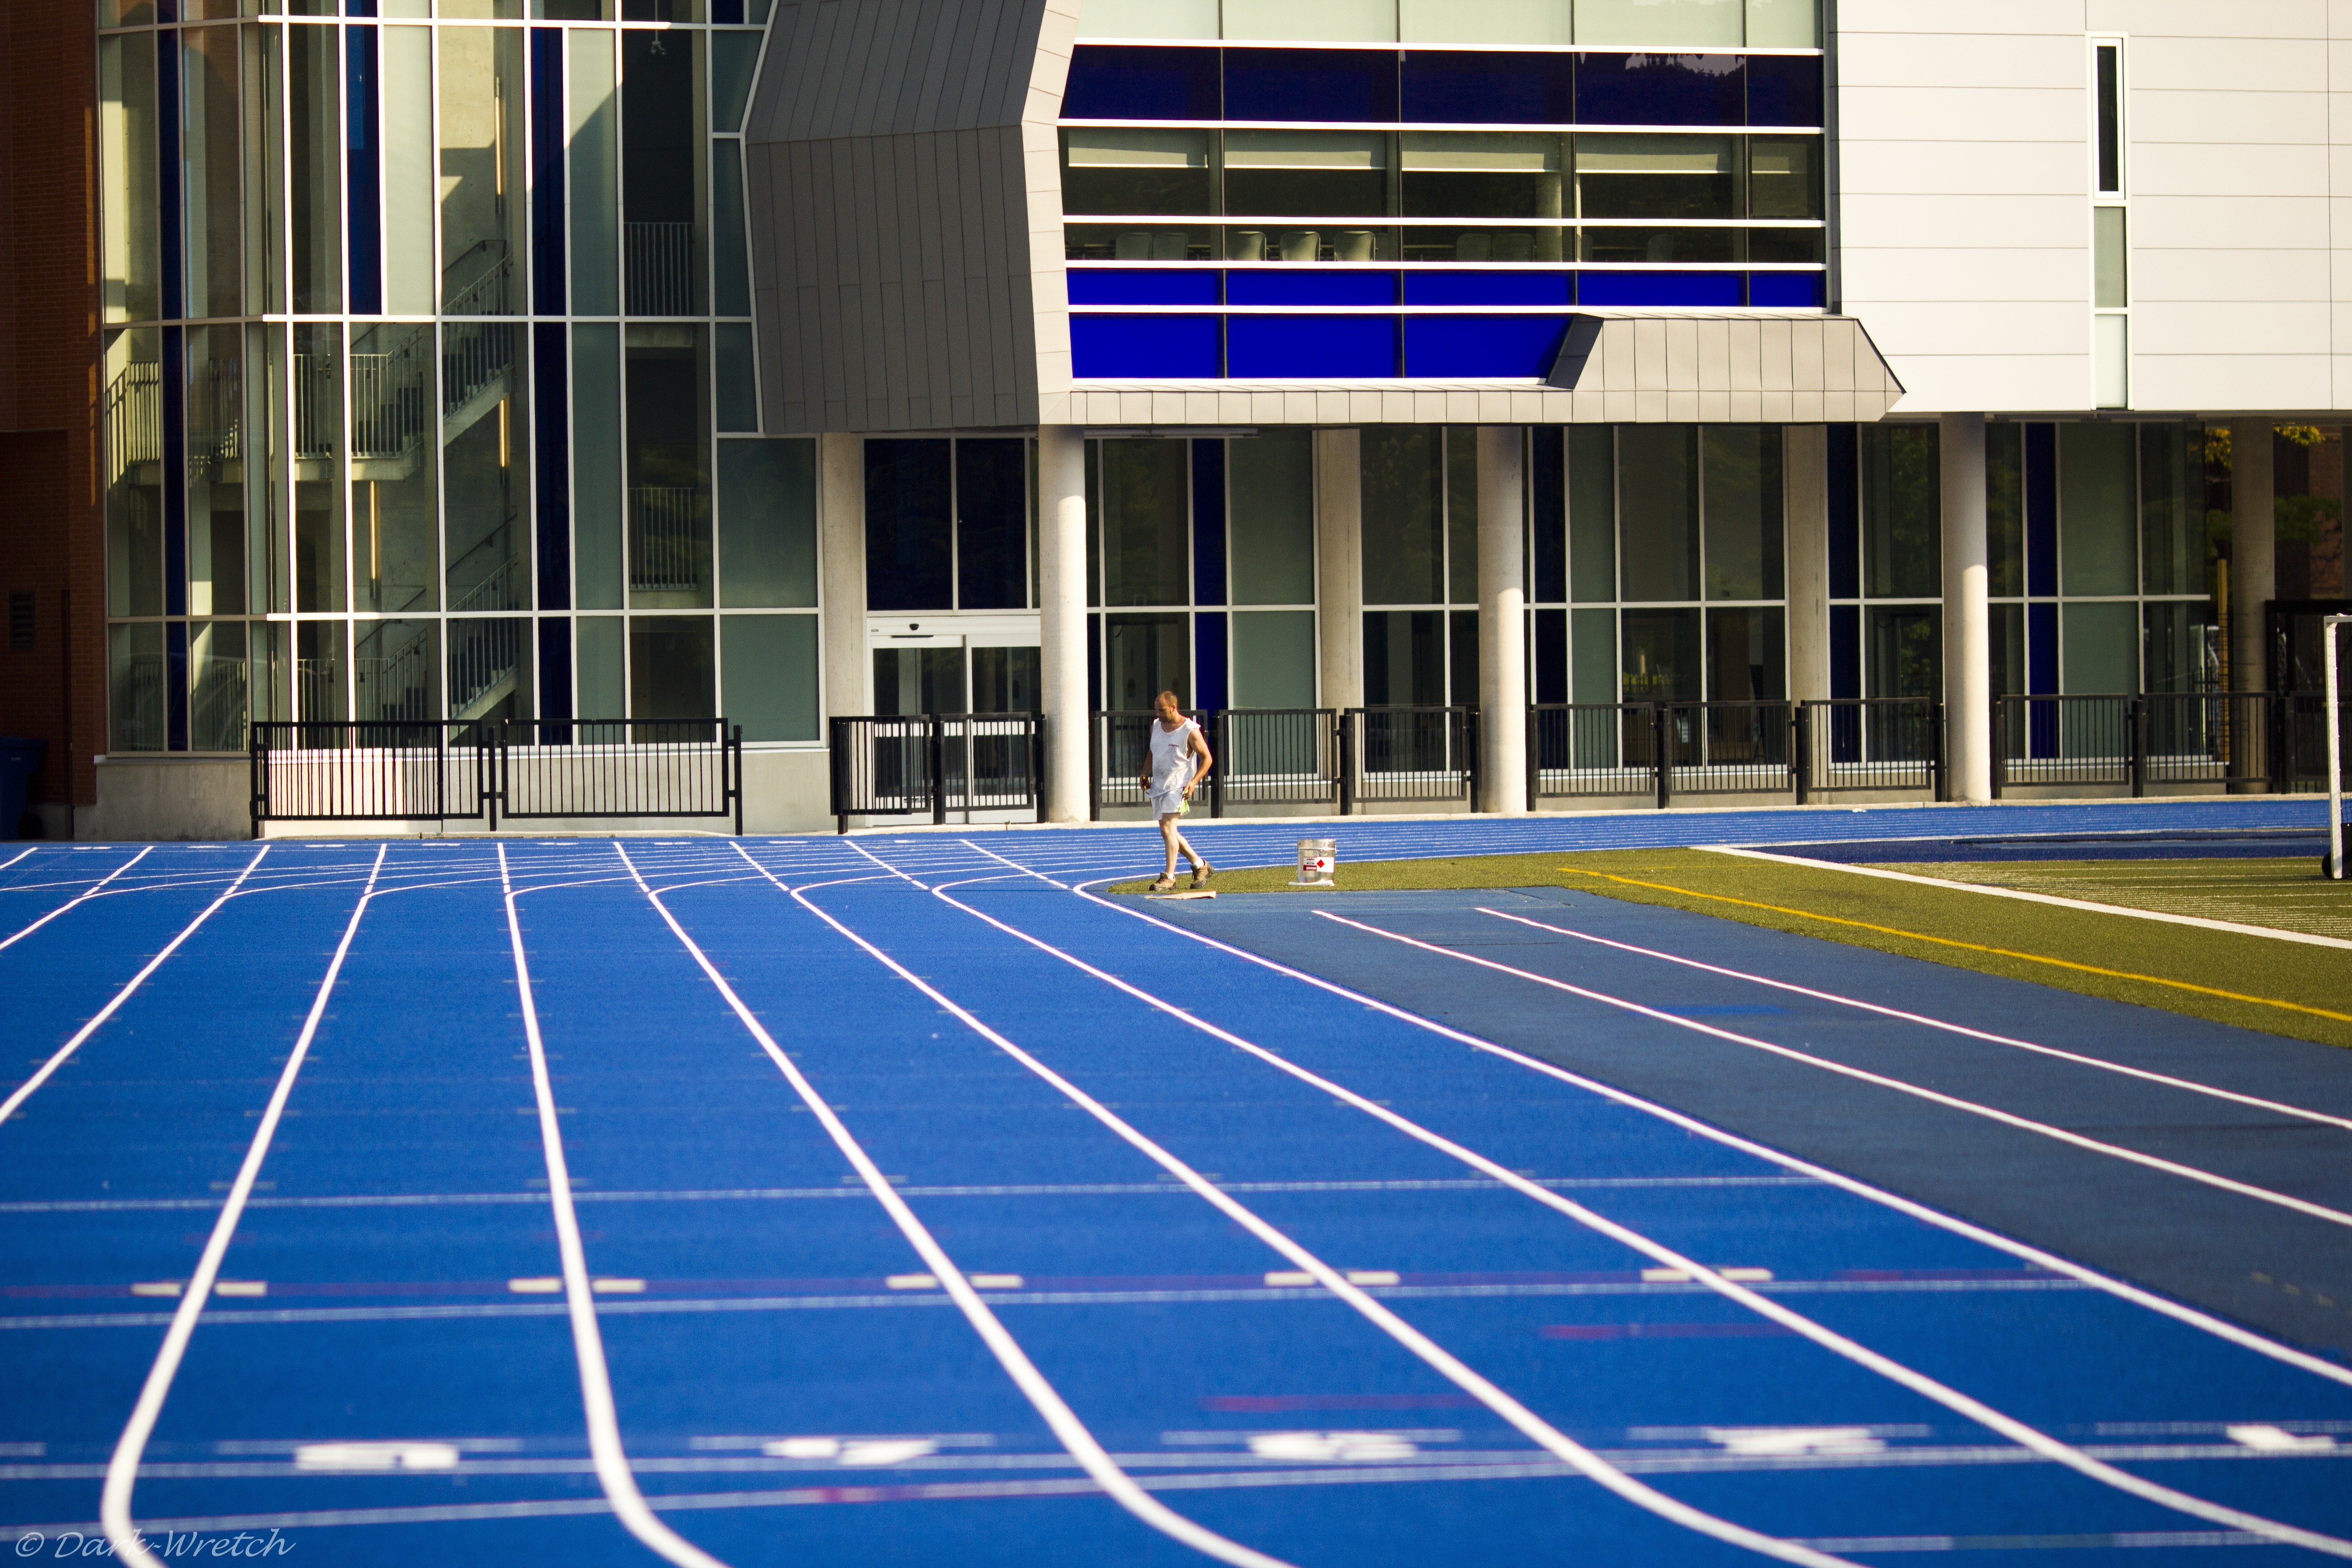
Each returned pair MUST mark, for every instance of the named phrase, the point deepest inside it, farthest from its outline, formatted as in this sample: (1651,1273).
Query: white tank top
(1171,760)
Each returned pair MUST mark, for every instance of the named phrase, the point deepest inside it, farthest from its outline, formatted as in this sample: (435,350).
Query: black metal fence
(1660,750)
(1274,756)
(2229,739)
(1409,754)
(933,764)
(1301,756)
(522,768)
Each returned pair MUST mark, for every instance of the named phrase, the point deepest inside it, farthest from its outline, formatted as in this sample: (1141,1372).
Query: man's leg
(1172,838)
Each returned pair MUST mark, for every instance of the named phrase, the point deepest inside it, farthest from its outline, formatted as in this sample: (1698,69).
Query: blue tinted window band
(1157,286)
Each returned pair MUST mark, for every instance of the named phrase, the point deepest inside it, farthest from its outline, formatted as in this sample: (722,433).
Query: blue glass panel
(909,526)
(175,464)
(1547,532)
(1310,84)
(1482,345)
(1209,654)
(1316,346)
(1845,672)
(1484,88)
(362,158)
(1660,89)
(555,677)
(2041,514)
(548,136)
(555,468)
(1784,89)
(1845,521)
(1112,82)
(1292,286)
(175,685)
(1471,287)
(1659,288)
(169,173)
(1209,536)
(2041,650)
(727,13)
(1787,291)
(1089,285)
(1143,345)
(1551,664)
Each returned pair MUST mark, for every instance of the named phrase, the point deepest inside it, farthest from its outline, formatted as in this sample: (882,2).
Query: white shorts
(1168,805)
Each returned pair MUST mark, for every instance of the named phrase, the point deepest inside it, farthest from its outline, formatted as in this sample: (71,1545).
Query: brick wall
(51,537)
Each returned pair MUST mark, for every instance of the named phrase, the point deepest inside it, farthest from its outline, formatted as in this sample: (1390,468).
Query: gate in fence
(520,769)
(933,764)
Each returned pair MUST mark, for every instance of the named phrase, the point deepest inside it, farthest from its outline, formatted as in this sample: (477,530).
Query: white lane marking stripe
(1919,1383)
(2245,1338)
(611,1461)
(24,1090)
(123,1469)
(1444,1362)
(89,892)
(1073,1434)
(1864,1075)
(2169,1081)
(1949,885)
(18,856)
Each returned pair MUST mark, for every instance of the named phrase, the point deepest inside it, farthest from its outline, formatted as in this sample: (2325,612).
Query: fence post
(2276,727)
(1534,758)
(735,755)
(1476,768)
(257,775)
(2135,716)
(1801,736)
(1222,729)
(1347,762)
(1661,757)
(938,763)
(1038,761)
(1094,767)
(1999,748)
(1942,777)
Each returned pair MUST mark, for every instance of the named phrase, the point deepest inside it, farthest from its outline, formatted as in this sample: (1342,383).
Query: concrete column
(1501,620)
(1339,567)
(1807,463)
(1062,623)
(1968,635)
(2253,550)
(841,551)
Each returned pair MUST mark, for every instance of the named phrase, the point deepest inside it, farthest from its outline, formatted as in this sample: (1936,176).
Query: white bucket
(1318,859)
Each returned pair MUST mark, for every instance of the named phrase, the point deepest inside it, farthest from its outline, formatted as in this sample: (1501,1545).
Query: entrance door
(982,679)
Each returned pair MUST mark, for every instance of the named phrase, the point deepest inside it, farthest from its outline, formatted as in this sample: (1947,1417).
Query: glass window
(318,691)
(1488,22)
(1462,628)
(1306,173)
(1902,514)
(1784,177)
(1748,654)
(229,682)
(1904,651)
(1274,658)
(770,681)
(128,143)
(1128,169)
(408,185)
(733,56)
(909,526)
(602,666)
(209,80)
(2101,647)
(483,211)
(1659,22)
(2182,645)
(1592,635)
(668,456)
(1592,520)
(214,401)
(1660,176)
(1151,19)
(489,667)
(1146,527)
(264,195)
(1404,657)
(2005,510)
(2111,118)
(394,491)
(134,702)
(1743,512)
(595,177)
(1107,82)
(767,526)
(2172,509)
(1330,86)
(2097,552)
(1462,516)
(670,670)
(134,467)
(484,431)
(1004,680)
(1144,655)
(1658,493)
(991,525)
(1659,88)
(738,383)
(1473,87)
(1312,21)
(1403,529)
(2110,266)
(313,90)
(597,534)
(663,158)
(1783,24)
(730,238)
(1271,543)
(319,561)
(1662,656)
(1510,175)
(909,681)
(396,670)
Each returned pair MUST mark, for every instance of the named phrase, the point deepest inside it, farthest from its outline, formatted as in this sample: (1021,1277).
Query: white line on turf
(1952,885)
(122,1468)
(1043,1396)
(2205,1322)
(2191,1085)
(1436,1357)
(2018,1432)
(41,1075)
(90,892)
(604,1448)
(1864,1075)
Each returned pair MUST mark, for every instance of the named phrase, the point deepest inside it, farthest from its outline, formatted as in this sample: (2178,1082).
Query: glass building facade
(428,384)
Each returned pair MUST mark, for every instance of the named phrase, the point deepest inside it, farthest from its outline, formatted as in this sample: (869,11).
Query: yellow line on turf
(1974,947)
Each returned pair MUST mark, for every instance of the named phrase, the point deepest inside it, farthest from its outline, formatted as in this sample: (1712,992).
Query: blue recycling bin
(20,759)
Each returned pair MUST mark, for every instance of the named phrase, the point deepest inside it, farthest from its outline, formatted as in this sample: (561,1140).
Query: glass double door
(984,691)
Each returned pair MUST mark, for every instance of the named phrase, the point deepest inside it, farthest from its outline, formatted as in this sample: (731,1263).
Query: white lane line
(2205,1322)
(1313,1268)
(123,1469)
(611,1461)
(2016,1431)
(2191,1085)
(90,892)
(1864,1075)
(1043,1396)
(41,1075)
(1951,885)
(18,856)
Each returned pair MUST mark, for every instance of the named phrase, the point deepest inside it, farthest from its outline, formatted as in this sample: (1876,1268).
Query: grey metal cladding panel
(784,28)
(820,84)
(869,68)
(881,73)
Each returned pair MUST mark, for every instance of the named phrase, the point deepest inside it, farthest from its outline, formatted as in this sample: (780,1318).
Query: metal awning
(1748,368)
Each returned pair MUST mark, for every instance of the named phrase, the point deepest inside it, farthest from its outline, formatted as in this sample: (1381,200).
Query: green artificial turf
(2277,986)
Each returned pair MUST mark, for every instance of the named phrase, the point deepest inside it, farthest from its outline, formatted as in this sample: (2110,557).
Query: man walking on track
(1170,779)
